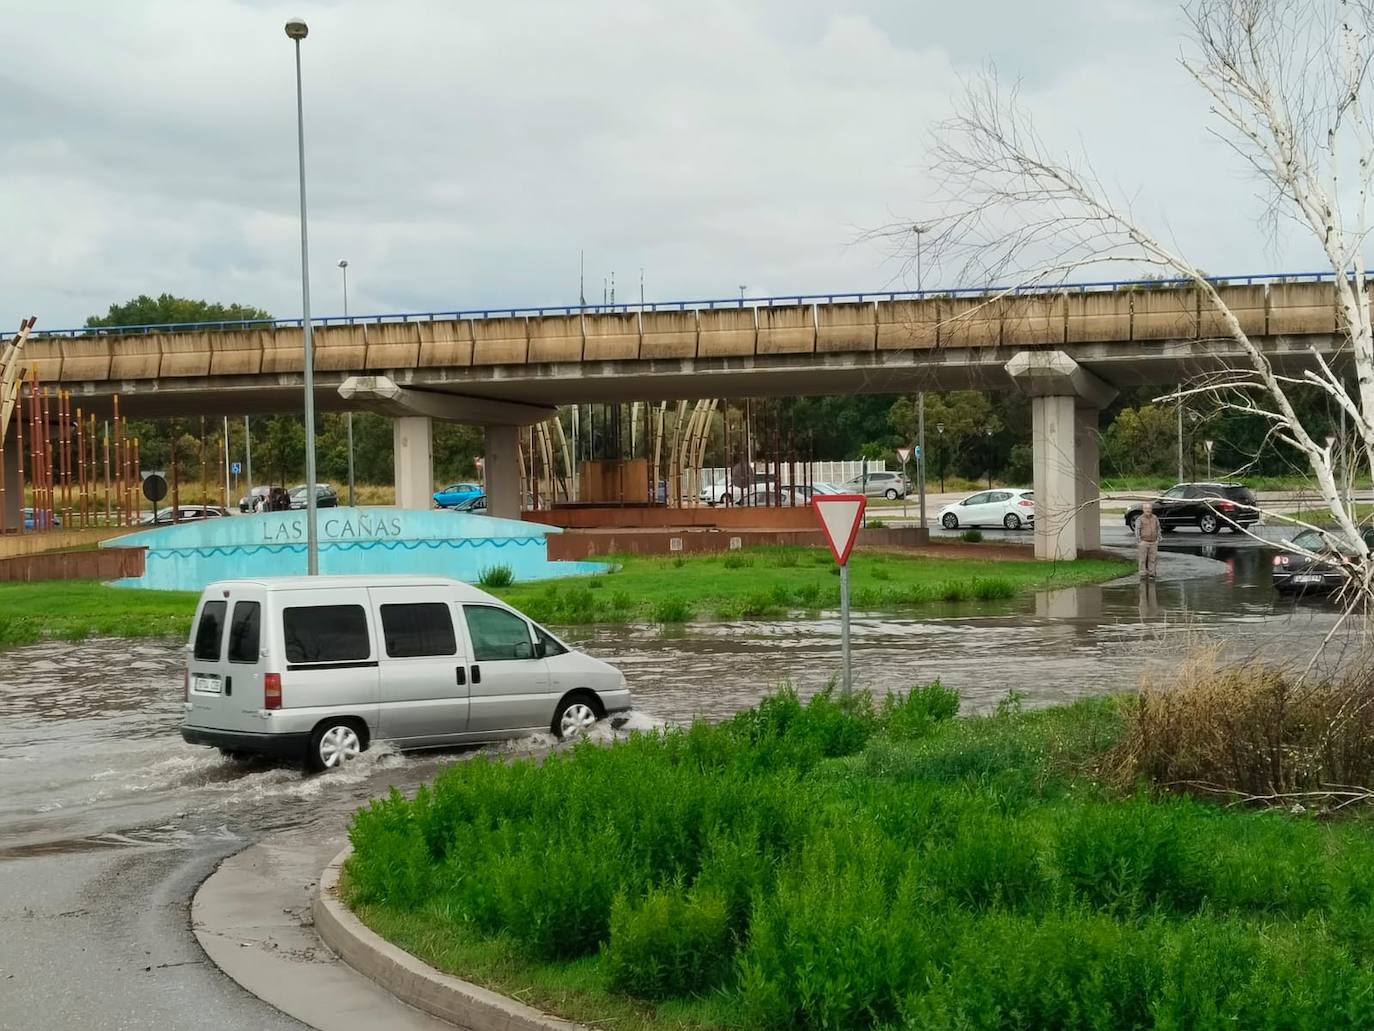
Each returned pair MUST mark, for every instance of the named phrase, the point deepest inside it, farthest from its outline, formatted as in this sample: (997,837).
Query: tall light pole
(919,231)
(343,267)
(742,287)
(296,30)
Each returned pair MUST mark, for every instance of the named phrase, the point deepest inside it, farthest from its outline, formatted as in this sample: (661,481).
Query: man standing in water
(1147,536)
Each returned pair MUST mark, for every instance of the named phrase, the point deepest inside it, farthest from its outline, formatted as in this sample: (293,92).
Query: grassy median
(770,582)
(851,865)
(744,584)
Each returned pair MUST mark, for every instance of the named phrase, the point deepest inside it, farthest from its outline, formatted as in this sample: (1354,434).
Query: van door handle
(462,676)
(476,673)
(228,686)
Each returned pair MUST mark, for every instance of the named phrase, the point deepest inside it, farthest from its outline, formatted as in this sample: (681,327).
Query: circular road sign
(154,487)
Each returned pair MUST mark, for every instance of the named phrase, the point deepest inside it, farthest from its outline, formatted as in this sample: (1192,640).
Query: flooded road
(108,821)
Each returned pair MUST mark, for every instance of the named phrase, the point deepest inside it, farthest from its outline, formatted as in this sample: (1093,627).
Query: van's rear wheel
(575,715)
(333,744)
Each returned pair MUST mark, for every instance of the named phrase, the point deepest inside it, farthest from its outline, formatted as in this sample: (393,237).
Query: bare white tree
(1289,87)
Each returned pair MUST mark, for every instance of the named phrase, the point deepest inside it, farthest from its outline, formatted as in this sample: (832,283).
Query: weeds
(672,610)
(971,536)
(500,575)
(734,560)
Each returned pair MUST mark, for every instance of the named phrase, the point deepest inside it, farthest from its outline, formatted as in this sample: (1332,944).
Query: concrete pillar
(413,455)
(1087,471)
(1065,400)
(1056,491)
(501,467)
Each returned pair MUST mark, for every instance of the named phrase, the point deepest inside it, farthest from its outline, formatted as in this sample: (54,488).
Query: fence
(820,472)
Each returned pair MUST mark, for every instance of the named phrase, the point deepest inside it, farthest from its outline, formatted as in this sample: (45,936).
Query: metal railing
(709,303)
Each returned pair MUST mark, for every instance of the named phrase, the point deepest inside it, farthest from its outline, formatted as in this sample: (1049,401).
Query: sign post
(840,516)
(903,453)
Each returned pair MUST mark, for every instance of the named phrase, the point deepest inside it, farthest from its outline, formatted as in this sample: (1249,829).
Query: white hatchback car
(1009,507)
(316,668)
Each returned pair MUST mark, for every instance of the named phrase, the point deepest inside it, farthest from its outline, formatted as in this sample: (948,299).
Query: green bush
(989,588)
(734,560)
(850,863)
(500,575)
(668,944)
(972,535)
(672,610)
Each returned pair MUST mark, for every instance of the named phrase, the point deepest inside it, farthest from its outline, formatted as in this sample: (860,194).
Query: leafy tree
(166,308)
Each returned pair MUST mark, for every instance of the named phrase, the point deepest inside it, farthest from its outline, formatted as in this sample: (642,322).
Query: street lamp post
(987,432)
(742,287)
(296,30)
(343,267)
(940,431)
(919,231)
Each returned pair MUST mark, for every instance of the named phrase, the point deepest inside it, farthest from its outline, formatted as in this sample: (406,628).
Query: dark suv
(1208,506)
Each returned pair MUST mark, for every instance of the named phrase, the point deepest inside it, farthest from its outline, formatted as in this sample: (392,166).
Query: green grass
(1323,517)
(753,584)
(72,610)
(765,582)
(851,865)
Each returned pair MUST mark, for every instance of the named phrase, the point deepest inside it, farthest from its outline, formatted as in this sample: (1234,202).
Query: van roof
(301,583)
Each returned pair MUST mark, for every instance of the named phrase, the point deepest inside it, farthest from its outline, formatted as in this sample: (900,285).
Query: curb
(415,983)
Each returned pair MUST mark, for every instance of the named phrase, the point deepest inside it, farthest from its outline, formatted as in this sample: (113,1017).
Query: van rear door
(225,664)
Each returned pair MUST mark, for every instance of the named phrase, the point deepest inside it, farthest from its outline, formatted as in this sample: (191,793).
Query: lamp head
(343,263)
(297,29)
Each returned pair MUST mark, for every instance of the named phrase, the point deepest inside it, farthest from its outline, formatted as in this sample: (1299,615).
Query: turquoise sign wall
(352,540)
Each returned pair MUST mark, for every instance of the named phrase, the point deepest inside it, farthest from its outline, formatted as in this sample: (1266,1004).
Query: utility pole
(1180,436)
(343,267)
(920,398)
(247,452)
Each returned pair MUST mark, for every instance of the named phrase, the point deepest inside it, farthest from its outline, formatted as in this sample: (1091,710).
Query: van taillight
(271,690)
(186,687)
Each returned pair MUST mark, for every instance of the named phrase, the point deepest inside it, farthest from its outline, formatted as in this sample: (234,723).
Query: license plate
(1301,578)
(205,684)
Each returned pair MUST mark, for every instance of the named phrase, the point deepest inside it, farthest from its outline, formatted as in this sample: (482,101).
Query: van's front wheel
(334,743)
(575,716)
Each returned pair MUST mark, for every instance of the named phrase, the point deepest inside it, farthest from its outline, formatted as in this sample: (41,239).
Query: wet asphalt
(108,822)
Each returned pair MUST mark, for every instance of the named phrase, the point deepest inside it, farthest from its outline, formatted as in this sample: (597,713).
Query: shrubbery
(851,864)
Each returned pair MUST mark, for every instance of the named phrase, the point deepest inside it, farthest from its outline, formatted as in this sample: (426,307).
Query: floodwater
(90,754)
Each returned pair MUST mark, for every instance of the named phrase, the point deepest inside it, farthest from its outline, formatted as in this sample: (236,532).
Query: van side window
(422,628)
(325,633)
(244,632)
(549,645)
(497,635)
(210,631)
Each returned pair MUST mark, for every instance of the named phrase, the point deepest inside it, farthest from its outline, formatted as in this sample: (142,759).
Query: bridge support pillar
(413,455)
(1065,400)
(501,468)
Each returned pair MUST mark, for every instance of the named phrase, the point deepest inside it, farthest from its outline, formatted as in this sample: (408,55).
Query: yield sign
(840,516)
(904,453)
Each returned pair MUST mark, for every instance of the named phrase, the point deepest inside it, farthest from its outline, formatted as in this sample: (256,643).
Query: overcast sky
(462,154)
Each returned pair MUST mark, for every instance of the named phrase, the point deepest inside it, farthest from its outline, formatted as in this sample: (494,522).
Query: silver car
(882,484)
(318,668)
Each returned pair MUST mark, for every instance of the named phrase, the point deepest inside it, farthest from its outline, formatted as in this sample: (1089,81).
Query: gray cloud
(461,154)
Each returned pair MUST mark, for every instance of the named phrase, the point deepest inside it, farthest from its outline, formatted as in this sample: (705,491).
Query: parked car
(881,484)
(325,497)
(736,491)
(478,505)
(185,514)
(770,499)
(33,520)
(1009,507)
(456,494)
(1208,506)
(254,499)
(1323,573)
(318,668)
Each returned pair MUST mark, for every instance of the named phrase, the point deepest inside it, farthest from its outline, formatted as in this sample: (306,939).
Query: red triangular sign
(904,453)
(840,516)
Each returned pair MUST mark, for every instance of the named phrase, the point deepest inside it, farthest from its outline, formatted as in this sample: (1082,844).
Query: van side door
(424,667)
(509,683)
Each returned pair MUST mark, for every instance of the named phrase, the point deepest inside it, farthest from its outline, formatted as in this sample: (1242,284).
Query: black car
(1208,506)
(325,496)
(1327,572)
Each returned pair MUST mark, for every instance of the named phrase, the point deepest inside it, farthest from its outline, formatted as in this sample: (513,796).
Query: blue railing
(778,300)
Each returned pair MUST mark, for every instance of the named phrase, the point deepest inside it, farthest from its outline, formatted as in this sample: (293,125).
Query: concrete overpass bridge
(1070,349)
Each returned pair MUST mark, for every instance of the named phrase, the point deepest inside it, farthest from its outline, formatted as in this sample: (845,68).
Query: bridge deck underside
(1162,363)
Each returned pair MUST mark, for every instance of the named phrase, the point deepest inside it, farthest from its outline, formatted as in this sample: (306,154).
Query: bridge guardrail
(704,304)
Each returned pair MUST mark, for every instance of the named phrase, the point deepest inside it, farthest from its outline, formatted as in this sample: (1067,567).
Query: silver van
(317,668)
